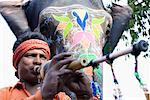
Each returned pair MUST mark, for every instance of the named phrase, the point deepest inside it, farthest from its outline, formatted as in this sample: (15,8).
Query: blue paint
(93,88)
(79,21)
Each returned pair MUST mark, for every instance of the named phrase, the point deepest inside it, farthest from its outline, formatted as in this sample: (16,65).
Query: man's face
(31,58)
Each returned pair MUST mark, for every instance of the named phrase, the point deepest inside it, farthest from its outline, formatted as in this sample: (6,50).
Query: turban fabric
(29,45)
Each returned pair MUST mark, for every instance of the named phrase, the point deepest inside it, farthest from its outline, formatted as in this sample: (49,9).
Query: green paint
(62,18)
(96,21)
(67,20)
(67,29)
(97,70)
(138,77)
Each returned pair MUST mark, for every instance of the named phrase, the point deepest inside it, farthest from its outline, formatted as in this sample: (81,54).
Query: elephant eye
(58,37)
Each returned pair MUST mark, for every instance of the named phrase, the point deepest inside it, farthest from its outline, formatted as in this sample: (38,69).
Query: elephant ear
(121,16)
(14,16)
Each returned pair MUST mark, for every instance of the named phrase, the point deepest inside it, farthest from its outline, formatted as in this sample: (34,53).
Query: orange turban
(29,45)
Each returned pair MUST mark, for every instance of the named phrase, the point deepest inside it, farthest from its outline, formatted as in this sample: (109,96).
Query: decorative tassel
(93,88)
(96,90)
(136,74)
(117,92)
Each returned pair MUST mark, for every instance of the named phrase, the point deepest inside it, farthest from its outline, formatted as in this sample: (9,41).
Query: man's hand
(80,85)
(57,75)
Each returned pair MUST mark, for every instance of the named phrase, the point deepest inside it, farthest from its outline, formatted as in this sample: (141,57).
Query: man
(31,50)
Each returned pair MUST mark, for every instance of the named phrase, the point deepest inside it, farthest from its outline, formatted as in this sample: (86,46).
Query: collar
(20,86)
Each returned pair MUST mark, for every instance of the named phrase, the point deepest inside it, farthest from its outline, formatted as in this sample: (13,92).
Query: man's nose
(37,60)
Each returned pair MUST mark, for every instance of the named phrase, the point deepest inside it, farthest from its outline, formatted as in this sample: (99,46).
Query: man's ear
(16,74)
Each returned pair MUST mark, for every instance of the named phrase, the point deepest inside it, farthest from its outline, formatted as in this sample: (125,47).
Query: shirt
(19,92)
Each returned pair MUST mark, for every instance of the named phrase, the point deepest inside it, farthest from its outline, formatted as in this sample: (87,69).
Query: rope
(136,74)
(117,91)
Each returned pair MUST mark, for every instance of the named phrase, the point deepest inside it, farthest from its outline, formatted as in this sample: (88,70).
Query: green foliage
(139,24)
(140,18)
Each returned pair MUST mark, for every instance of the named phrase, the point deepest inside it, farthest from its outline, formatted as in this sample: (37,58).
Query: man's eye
(43,57)
(30,55)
